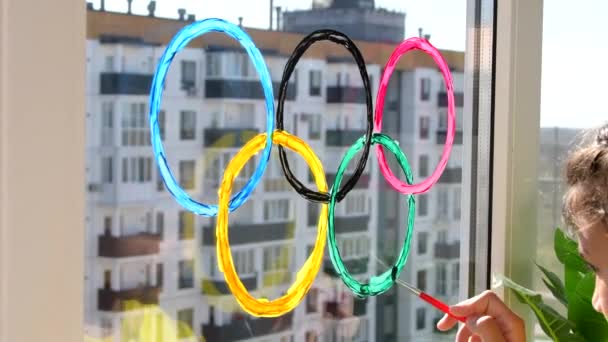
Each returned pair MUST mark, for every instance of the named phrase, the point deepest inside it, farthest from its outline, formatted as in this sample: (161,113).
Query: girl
(585,207)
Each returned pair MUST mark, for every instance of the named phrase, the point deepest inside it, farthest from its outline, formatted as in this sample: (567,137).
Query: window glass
(212,105)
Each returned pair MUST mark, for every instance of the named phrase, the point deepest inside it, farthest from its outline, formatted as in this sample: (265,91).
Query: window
(423,205)
(159,274)
(107,170)
(136,170)
(107,123)
(162,124)
(425,89)
(312,304)
(442,203)
(425,123)
(455,278)
(389,319)
(109,64)
(218,162)
(441,279)
(314,125)
(214,64)
(107,225)
(442,237)
(422,242)
(276,210)
(186,225)
(186,274)
(188,75)
(244,261)
(135,128)
(314,87)
(187,125)
(311,336)
(186,174)
(423,165)
(313,214)
(420,319)
(277,258)
(238,64)
(456,204)
(421,279)
(185,320)
(356,204)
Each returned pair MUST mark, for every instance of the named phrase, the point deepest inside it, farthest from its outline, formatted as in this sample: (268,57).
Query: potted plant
(582,323)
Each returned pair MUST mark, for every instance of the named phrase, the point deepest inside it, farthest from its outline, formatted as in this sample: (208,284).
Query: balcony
(129,246)
(451,176)
(345,95)
(246,327)
(341,311)
(244,233)
(354,266)
(363,182)
(351,224)
(124,300)
(212,287)
(447,250)
(442,99)
(442,134)
(339,137)
(123,83)
(227,137)
(243,89)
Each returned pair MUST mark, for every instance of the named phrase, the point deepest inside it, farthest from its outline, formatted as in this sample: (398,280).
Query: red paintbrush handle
(440,305)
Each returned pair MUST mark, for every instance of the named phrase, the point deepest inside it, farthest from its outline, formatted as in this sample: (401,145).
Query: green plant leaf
(589,323)
(557,327)
(554,284)
(566,251)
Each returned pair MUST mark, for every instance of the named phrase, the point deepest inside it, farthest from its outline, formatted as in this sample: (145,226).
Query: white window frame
(511,110)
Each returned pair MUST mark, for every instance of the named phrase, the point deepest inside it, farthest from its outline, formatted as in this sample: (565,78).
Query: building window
(313,214)
(425,127)
(135,129)
(425,89)
(314,125)
(214,170)
(276,210)
(277,258)
(441,281)
(442,203)
(423,205)
(312,304)
(455,278)
(311,336)
(356,204)
(314,88)
(186,225)
(186,274)
(420,319)
(107,170)
(389,319)
(186,174)
(162,124)
(456,204)
(107,123)
(422,242)
(107,225)
(423,163)
(136,170)
(213,64)
(109,64)
(244,261)
(442,237)
(159,274)
(187,125)
(160,224)
(421,279)
(185,320)
(188,75)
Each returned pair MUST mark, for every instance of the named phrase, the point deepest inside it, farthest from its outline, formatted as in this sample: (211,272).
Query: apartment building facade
(148,258)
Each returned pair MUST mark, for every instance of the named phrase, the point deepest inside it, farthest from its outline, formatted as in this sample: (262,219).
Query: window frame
(503,68)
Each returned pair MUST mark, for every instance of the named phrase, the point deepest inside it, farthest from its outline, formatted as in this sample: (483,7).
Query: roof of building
(154,30)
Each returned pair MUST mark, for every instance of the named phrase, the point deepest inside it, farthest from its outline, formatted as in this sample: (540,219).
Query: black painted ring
(340,39)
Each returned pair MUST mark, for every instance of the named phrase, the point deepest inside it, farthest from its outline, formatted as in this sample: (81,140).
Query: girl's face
(593,247)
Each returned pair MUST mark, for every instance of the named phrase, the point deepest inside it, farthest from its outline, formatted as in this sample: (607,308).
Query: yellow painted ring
(308,272)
